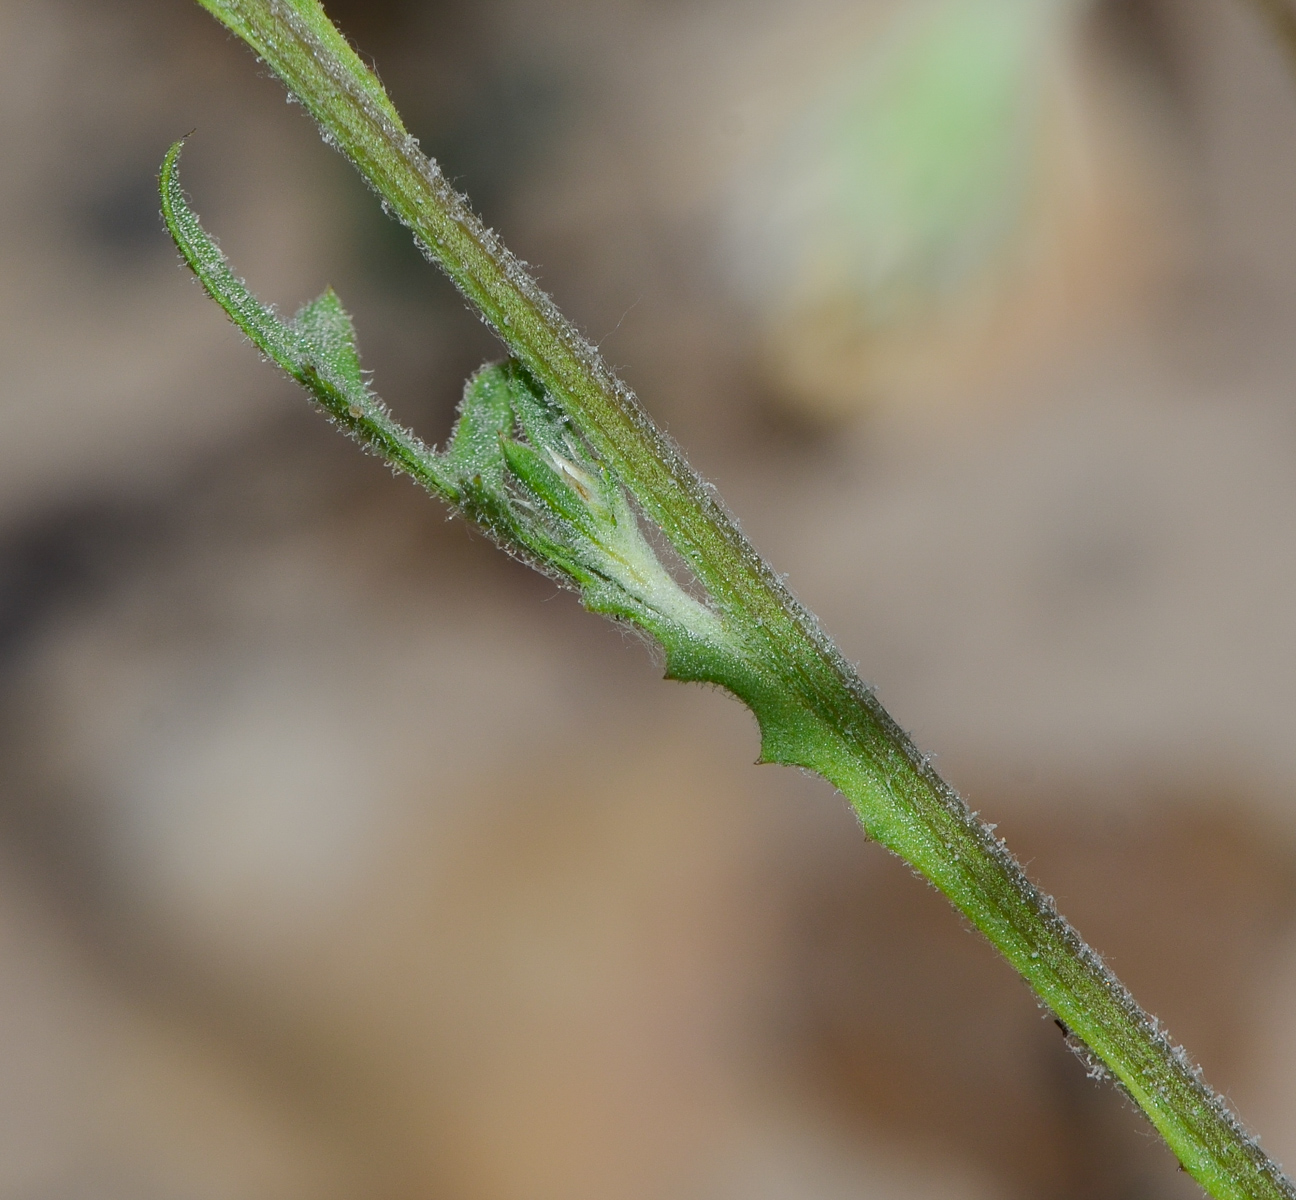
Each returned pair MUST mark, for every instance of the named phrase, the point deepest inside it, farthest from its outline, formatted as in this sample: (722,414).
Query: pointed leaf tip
(326,328)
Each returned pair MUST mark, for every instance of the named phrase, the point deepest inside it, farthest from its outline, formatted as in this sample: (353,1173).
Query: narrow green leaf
(317,348)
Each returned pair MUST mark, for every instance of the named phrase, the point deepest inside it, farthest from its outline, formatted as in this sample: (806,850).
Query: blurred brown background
(343,857)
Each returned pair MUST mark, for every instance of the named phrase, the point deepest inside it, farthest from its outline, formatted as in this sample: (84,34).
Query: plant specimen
(553,457)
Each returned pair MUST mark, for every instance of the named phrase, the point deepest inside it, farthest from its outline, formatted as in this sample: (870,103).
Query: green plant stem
(812,708)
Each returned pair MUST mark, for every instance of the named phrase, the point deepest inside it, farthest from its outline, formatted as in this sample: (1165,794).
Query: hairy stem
(752,637)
